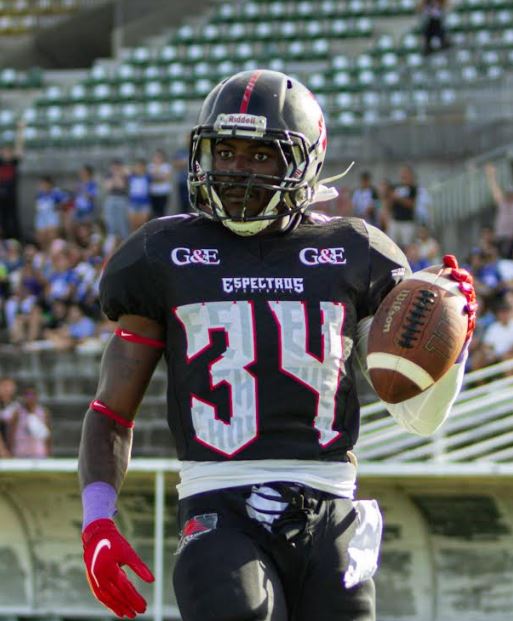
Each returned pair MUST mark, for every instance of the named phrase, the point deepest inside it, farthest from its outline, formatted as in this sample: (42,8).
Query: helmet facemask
(289,193)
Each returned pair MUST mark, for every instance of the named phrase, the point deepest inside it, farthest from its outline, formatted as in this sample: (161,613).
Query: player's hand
(466,286)
(105,552)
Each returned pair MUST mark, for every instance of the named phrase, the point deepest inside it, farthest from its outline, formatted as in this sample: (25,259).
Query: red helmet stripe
(249,90)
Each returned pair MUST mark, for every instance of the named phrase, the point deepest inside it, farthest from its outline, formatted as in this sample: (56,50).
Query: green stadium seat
(320,47)
(175,70)
(219,51)
(389,60)
(8,78)
(414,59)
(98,74)
(370,118)
(237,32)
(342,79)
(78,92)
(78,131)
(494,72)
(7,135)
(185,34)
(243,51)
(365,61)
(463,56)
(167,54)
(151,72)
(398,114)
(448,96)
(79,112)
(345,101)
(371,99)
(106,111)
(153,90)
(101,91)
(127,90)
(211,33)
(263,31)
(54,114)
(469,73)
(444,76)
(140,56)
(130,110)
(277,64)
(226,68)
(385,43)
(250,65)
(341,62)
(483,38)
(391,79)
(30,116)
(195,52)
(178,88)
(398,99)
(305,9)
(477,19)
(507,37)
(7,118)
(314,29)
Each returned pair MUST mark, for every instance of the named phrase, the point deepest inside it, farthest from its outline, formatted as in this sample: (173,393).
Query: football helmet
(277,110)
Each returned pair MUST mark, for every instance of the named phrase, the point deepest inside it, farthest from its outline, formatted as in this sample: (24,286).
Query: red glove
(105,551)
(466,286)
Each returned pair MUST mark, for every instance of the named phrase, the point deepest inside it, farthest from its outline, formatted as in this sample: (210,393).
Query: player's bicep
(128,363)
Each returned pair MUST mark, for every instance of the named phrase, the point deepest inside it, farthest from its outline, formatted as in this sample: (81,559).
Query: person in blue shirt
(139,208)
(86,195)
(49,203)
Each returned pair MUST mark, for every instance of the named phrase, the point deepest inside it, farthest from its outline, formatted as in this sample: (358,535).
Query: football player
(260,308)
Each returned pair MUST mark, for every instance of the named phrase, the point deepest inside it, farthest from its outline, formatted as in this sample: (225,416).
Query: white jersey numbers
(237,321)
(319,375)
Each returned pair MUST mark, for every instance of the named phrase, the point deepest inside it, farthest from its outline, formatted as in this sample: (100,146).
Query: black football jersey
(260,330)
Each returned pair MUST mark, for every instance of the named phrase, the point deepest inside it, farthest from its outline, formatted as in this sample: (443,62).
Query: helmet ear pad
(278,110)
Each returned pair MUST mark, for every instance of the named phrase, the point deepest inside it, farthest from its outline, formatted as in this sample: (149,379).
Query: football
(416,334)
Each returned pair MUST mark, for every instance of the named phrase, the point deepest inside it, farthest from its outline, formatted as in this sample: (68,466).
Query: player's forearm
(104,452)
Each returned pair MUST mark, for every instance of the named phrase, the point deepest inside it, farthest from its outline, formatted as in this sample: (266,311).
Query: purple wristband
(98,501)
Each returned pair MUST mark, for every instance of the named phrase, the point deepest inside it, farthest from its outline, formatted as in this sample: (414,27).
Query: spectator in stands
(23,316)
(365,200)
(160,171)
(138,195)
(402,226)
(62,279)
(480,354)
(8,403)
(499,335)
(84,210)
(49,203)
(503,226)
(433,23)
(429,248)
(29,427)
(115,207)
(180,163)
(416,261)
(385,192)
(10,158)
(76,330)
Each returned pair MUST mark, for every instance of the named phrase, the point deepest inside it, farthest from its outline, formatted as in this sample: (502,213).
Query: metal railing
(479,428)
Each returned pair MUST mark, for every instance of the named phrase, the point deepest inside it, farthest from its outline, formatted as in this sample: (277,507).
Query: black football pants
(239,571)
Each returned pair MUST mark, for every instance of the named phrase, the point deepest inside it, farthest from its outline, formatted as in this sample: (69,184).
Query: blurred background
(97,98)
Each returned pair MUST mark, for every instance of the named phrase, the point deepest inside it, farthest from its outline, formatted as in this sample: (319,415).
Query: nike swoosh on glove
(466,286)
(105,552)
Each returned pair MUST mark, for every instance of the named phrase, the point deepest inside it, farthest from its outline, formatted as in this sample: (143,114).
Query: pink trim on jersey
(249,91)
(101,408)
(132,337)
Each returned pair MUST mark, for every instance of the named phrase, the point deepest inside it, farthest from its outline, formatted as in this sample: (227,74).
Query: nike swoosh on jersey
(103,543)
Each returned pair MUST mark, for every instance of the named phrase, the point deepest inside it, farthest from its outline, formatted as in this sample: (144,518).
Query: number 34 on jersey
(319,374)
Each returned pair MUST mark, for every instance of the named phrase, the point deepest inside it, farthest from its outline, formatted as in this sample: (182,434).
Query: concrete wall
(447,552)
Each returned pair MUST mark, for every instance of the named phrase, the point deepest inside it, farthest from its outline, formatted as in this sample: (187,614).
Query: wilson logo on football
(323,256)
(195,256)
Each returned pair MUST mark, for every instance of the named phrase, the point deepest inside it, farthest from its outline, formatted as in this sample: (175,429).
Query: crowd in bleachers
(49,281)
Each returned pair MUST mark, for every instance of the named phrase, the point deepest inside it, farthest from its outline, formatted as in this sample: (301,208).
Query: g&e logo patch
(195,256)
(323,256)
